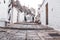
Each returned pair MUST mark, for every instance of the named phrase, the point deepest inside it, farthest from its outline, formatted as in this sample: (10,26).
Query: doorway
(47,14)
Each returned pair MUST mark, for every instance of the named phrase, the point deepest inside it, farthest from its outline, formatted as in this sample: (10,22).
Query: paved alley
(29,19)
(37,33)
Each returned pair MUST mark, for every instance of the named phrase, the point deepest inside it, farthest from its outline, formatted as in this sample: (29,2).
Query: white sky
(31,3)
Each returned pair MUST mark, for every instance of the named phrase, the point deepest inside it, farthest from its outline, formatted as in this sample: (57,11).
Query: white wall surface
(43,16)
(4,9)
(21,17)
(43,13)
(2,24)
(14,15)
(3,12)
(53,14)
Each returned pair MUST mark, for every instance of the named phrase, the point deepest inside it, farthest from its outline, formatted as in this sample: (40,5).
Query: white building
(4,15)
(50,13)
(17,17)
(14,15)
(21,17)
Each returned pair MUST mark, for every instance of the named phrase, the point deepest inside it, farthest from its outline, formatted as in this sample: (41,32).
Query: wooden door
(47,14)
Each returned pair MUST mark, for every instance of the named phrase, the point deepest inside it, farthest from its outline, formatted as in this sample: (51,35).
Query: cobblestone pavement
(13,34)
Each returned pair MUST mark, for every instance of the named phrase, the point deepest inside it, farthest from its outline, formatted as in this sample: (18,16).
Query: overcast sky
(31,3)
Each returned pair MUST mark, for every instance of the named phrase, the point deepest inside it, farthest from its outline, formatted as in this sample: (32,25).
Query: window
(4,1)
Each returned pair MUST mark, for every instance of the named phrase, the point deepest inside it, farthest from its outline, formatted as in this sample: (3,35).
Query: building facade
(14,15)
(5,12)
(50,13)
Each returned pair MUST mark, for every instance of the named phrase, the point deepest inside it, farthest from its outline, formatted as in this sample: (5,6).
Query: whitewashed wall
(3,12)
(43,13)
(21,17)
(14,15)
(43,16)
(53,14)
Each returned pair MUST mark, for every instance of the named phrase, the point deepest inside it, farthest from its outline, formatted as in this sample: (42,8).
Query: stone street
(28,31)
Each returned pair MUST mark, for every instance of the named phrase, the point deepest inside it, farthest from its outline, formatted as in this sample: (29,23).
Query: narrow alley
(29,19)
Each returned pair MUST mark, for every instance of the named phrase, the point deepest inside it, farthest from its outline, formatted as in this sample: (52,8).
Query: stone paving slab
(49,34)
(32,35)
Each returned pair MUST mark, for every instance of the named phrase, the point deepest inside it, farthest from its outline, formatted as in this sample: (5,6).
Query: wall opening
(47,14)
